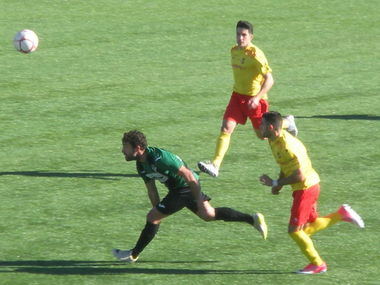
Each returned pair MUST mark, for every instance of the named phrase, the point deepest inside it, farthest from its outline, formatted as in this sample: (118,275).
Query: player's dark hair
(135,138)
(273,118)
(245,25)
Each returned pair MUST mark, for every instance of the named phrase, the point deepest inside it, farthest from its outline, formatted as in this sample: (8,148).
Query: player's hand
(276,190)
(254,102)
(266,180)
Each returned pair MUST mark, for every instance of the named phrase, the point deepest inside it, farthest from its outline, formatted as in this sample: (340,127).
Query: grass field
(105,67)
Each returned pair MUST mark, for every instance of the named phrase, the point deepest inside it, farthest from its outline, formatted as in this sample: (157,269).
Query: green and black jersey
(163,166)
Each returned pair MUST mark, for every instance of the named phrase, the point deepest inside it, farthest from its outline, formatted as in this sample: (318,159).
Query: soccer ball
(26,41)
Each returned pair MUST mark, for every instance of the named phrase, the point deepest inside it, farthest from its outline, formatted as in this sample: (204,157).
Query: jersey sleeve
(265,68)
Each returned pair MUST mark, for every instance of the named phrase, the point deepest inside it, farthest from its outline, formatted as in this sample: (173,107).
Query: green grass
(104,67)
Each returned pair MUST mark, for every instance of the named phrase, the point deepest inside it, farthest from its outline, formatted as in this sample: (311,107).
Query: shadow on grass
(93,175)
(67,267)
(342,117)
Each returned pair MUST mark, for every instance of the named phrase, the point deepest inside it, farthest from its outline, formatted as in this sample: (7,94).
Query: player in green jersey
(184,191)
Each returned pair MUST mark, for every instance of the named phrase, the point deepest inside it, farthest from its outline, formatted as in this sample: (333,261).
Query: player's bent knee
(154,216)
(207,218)
(292,229)
(258,134)
(228,127)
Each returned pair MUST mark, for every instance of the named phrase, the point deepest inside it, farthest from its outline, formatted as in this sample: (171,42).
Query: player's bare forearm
(295,177)
(193,183)
(195,190)
(153,195)
(266,86)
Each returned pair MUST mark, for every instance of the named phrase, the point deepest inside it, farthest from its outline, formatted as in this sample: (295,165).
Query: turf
(105,67)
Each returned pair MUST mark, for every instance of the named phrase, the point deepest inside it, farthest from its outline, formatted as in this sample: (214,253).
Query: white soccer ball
(26,41)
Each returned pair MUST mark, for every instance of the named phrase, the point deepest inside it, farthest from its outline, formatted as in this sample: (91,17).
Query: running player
(252,81)
(297,171)
(184,191)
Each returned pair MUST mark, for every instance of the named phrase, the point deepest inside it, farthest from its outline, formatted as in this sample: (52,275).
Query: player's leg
(232,116)
(256,115)
(150,230)
(222,144)
(154,218)
(258,134)
(306,245)
(231,215)
(304,211)
(322,223)
(223,141)
(344,213)
(209,213)
(168,206)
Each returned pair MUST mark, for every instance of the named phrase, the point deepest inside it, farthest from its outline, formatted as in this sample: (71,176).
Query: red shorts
(304,208)
(238,110)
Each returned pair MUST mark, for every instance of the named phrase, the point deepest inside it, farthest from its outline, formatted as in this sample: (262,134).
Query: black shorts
(175,201)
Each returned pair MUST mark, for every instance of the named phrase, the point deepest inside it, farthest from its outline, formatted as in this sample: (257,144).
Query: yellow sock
(306,245)
(222,145)
(322,223)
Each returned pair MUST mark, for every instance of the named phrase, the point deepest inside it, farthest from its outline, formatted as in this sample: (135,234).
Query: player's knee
(207,218)
(228,127)
(153,218)
(292,229)
(258,134)
(153,221)
(224,129)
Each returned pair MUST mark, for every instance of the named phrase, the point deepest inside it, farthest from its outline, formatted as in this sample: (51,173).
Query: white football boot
(292,125)
(124,255)
(209,168)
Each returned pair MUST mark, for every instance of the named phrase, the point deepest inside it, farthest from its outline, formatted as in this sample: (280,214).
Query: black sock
(231,215)
(146,237)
